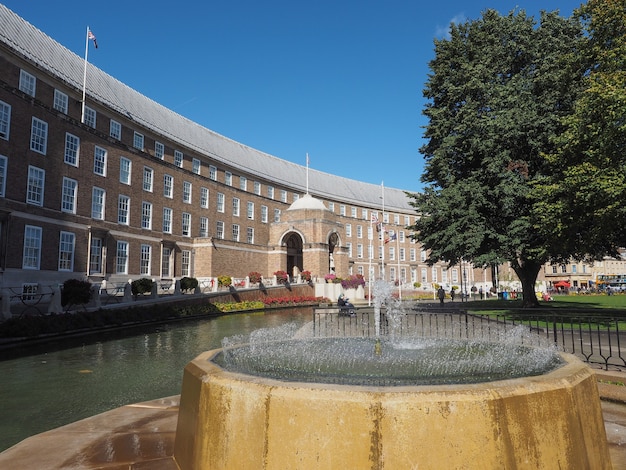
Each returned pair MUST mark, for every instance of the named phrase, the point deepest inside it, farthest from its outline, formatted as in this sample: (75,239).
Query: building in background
(118,187)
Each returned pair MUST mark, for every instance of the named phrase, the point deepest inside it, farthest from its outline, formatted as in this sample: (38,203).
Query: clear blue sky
(341,80)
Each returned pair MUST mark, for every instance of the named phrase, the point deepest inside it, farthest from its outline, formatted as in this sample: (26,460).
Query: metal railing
(596,339)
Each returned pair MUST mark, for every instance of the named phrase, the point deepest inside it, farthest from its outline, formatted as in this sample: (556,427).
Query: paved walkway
(141,436)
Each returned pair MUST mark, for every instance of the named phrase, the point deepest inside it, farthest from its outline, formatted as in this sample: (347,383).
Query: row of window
(38,143)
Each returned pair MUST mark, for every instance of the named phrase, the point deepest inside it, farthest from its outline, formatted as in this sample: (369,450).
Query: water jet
(267,402)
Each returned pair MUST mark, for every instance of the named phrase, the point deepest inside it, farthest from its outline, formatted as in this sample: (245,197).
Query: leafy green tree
(498,89)
(582,202)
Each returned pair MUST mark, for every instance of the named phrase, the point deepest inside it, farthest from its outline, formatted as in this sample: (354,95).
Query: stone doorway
(294,254)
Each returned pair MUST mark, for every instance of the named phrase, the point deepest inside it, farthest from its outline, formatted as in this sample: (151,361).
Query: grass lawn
(560,302)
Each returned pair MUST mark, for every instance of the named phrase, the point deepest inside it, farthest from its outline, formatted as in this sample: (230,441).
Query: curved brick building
(126,188)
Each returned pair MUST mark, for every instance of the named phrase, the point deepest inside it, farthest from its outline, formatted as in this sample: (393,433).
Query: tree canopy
(582,201)
(499,90)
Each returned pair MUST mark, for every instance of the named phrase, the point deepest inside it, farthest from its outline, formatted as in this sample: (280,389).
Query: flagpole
(370,255)
(307,172)
(82,111)
(382,232)
(398,255)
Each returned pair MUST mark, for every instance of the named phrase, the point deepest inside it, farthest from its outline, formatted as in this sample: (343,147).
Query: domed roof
(307,202)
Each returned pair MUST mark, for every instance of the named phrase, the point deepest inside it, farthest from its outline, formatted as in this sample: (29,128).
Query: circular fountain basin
(234,420)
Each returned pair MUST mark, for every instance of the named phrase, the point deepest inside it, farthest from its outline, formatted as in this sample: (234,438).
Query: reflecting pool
(61,382)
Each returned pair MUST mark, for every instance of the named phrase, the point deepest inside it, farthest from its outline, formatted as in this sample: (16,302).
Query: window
(146,215)
(220,202)
(148,178)
(574,269)
(165,262)
(444,276)
(422,255)
(186,224)
(370,251)
(178,158)
(331,206)
(349,247)
(392,253)
(68,196)
(39,136)
(100,161)
(455,275)
(228,178)
(433,275)
(243,183)
(95,256)
(60,101)
(412,255)
(406,220)
(97,203)
(115,130)
(159,150)
(168,186)
(348,230)
(204,227)
(167,220)
(283,195)
(392,274)
(270,192)
(401,236)
(563,268)
(236,204)
(219,233)
(66,251)
(402,254)
(121,258)
(125,170)
(186,192)
(250,211)
(185,262)
(72,145)
(144,259)
(250,235)
(32,247)
(204,198)
(34,193)
(386,217)
(257,188)
(359,231)
(3,175)
(123,209)
(342,209)
(28,83)
(353,212)
(370,232)
(138,140)
(295,197)
(5,120)
(424,274)
(235,232)
(276,215)
(212,172)
(264,214)
(359,250)
(195,166)
(554,269)
(90,117)
(364,214)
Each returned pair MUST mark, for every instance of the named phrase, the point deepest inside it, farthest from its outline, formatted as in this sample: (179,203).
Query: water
(384,362)
(63,382)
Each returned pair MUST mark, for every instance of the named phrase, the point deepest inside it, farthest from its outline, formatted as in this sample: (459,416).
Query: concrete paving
(141,436)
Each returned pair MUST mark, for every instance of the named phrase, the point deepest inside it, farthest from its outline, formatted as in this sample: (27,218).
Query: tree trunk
(527,272)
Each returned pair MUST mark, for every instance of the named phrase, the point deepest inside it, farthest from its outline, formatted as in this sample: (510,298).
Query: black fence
(596,339)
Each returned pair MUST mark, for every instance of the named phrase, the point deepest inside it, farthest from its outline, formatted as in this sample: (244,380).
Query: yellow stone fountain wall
(234,421)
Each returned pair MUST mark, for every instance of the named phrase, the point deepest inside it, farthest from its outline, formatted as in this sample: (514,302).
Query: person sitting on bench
(345,307)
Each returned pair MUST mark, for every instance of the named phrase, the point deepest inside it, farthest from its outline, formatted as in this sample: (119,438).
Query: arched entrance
(294,253)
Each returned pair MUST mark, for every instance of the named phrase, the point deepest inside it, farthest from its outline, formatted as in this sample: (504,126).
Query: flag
(374,218)
(390,239)
(92,36)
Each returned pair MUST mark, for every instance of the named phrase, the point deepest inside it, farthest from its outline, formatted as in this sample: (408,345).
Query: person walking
(452,294)
(441,294)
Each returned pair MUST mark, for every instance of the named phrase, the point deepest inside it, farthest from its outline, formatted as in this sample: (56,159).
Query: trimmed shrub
(188,283)
(141,286)
(75,292)
(224,281)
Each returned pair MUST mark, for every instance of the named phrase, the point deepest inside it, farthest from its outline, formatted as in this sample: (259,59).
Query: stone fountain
(283,400)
